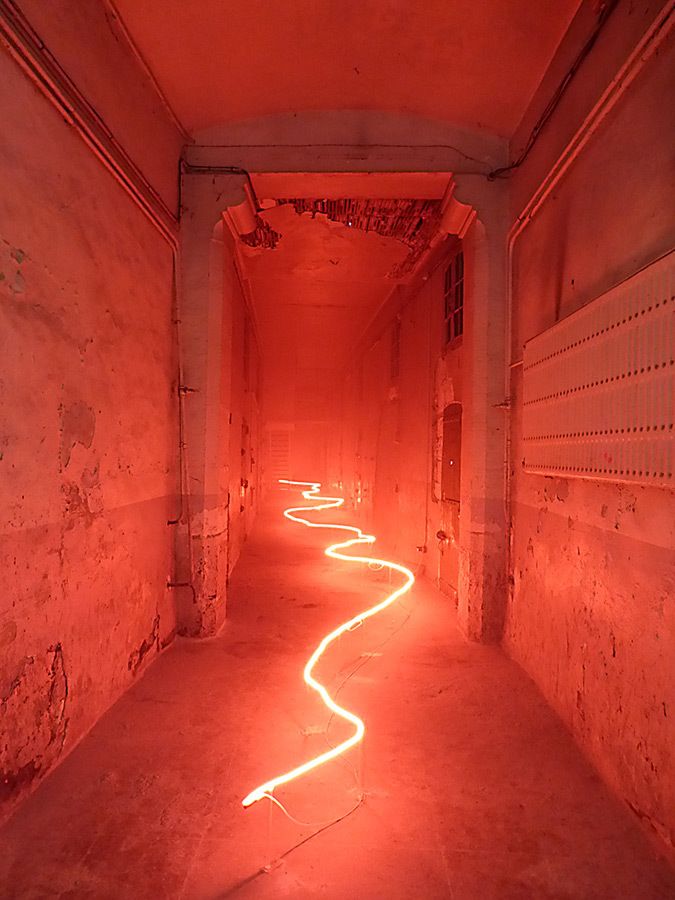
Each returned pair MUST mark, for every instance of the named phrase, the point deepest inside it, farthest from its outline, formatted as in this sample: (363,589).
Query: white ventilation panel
(598,386)
(279,458)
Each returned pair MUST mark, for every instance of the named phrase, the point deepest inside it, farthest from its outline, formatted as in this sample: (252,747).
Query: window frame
(453,299)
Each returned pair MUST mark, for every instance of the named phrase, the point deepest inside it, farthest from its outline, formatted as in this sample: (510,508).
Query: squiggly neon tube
(334,551)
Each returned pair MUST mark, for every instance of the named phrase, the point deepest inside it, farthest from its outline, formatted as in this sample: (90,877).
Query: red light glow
(335,551)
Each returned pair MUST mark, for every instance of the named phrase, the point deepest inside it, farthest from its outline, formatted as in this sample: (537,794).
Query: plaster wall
(242,458)
(92,49)
(388,482)
(220,370)
(88,432)
(591,615)
(314,294)
(389,444)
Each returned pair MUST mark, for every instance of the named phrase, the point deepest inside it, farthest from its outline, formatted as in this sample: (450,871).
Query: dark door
(450,503)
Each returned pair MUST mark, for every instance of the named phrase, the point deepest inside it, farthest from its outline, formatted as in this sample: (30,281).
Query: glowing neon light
(334,551)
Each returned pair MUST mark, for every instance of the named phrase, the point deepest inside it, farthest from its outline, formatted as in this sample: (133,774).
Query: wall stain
(77,506)
(8,632)
(136,658)
(33,703)
(78,423)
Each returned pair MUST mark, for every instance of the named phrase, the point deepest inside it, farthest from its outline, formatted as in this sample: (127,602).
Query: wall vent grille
(279,454)
(598,386)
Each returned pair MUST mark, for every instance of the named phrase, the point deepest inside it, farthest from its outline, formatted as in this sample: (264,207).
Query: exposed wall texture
(89,45)
(392,403)
(591,615)
(220,370)
(394,422)
(88,435)
(242,454)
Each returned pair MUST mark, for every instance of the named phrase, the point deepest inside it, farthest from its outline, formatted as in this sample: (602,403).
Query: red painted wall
(242,453)
(591,615)
(88,430)
(388,450)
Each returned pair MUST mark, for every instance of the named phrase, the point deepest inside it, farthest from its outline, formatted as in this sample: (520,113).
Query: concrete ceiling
(314,295)
(472,64)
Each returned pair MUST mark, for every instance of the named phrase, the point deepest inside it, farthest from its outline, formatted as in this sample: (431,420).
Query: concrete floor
(473,787)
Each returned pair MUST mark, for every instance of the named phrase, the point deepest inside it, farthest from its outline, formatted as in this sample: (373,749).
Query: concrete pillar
(483,540)
(206,333)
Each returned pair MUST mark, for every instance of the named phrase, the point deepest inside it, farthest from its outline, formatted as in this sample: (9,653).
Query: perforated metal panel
(598,386)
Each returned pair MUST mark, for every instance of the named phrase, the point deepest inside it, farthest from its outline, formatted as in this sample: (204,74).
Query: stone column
(483,541)
(206,333)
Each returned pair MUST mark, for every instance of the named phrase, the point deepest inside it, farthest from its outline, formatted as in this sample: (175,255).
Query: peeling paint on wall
(149,643)
(78,424)
(88,451)
(591,616)
(33,704)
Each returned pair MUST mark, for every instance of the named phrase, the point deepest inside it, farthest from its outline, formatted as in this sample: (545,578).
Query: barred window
(454,298)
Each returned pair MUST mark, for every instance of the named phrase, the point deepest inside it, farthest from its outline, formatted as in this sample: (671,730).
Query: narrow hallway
(423,253)
(473,787)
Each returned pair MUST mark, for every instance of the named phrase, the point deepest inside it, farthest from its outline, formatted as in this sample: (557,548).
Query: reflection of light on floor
(311,492)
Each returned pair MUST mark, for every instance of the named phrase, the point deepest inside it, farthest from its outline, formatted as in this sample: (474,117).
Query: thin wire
(363,661)
(605,12)
(312,835)
(319,825)
(333,551)
(355,623)
(264,870)
(341,147)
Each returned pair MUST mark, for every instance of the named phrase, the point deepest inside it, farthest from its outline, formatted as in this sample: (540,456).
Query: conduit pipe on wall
(187,168)
(239,217)
(631,68)
(45,72)
(184,514)
(149,74)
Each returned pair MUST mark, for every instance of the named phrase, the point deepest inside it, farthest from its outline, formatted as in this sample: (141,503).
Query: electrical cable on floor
(323,826)
(361,662)
(311,492)
(309,836)
(320,825)
(266,790)
(264,870)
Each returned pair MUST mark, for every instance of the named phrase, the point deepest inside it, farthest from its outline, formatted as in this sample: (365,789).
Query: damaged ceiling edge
(411,221)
